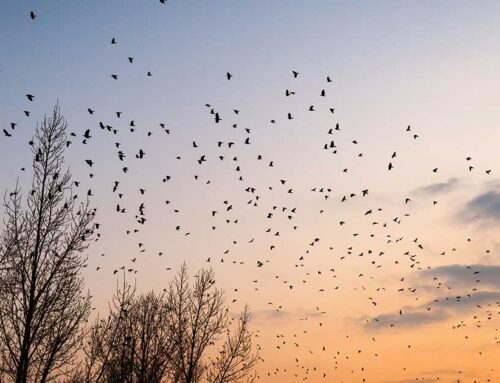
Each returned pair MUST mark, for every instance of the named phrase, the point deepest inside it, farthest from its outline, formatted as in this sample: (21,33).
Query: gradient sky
(431,65)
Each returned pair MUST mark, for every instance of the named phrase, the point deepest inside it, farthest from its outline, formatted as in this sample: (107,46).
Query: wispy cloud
(413,318)
(440,187)
(493,184)
(437,310)
(460,304)
(466,275)
(282,316)
(462,278)
(483,208)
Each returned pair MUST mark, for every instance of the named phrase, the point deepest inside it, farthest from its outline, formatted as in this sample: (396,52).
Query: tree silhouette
(42,307)
(132,344)
(200,321)
(182,335)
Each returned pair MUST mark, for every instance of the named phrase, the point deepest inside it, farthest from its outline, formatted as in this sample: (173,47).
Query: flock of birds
(281,221)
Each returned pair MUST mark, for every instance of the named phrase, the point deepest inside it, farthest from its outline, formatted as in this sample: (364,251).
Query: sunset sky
(407,288)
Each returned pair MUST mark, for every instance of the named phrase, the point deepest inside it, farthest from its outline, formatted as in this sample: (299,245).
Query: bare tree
(132,344)
(169,337)
(200,324)
(235,359)
(42,306)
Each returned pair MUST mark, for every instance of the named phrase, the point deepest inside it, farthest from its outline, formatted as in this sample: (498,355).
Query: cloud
(282,316)
(412,318)
(264,316)
(465,303)
(484,207)
(440,187)
(441,309)
(466,275)
(493,184)
(462,278)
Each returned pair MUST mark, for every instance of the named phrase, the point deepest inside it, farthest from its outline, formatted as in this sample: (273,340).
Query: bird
(33,15)
(30,97)
(229,76)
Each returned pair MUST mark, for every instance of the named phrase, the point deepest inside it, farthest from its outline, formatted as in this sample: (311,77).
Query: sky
(391,295)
